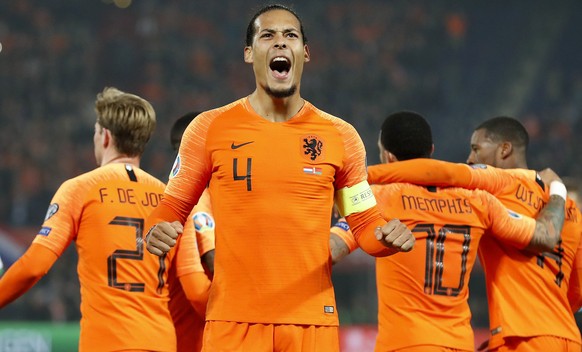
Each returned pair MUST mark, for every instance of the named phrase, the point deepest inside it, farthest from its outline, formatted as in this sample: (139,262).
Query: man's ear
(107,139)
(307,54)
(248,54)
(506,149)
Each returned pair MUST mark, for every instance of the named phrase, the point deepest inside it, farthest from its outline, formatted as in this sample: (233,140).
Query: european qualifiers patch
(342,225)
(203,222)
(52,210)
(328,309)
(312,148)
(44,231)
(176,167)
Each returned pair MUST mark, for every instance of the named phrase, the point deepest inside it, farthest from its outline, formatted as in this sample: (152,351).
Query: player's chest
(276,153)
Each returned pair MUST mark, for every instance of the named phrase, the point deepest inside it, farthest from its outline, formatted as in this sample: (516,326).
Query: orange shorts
(425,348)
(538,343)
(226,336)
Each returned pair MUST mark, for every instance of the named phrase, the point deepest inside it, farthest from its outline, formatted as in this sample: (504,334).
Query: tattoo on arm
(548,225)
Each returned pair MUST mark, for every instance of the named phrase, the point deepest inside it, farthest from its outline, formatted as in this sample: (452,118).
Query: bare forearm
(338,248)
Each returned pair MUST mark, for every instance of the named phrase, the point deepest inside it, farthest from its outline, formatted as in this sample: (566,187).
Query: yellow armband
(354,199)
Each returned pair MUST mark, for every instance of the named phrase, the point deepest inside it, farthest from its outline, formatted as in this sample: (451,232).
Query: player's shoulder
(147,178)
(228,111)
(337,122)
(531,178)
(76,188)
(112,173)
(85,180)
(225,109)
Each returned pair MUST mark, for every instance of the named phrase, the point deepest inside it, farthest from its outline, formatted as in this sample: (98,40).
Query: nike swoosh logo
(236,146)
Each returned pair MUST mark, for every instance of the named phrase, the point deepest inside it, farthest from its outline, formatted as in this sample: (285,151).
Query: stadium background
(456,62)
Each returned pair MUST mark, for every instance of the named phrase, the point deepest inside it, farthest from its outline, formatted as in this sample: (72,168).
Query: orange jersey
(124,295)
(188,323)
(535,301)
(272,190)
(540,281)
(423,294)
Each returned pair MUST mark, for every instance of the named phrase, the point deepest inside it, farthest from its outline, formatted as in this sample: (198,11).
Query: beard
(284,93)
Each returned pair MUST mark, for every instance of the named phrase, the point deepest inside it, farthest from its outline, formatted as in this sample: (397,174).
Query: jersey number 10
(435,254)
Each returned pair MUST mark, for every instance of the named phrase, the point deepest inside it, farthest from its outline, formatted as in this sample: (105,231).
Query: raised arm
(422,172)
(188,179)
(430,172)
(539,235)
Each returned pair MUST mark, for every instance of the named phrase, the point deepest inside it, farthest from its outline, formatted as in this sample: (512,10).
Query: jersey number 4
(557,254)
(127,254)
(435,255)
(242,177)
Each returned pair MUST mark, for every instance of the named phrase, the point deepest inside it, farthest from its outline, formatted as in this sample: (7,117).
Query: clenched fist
(396,235)
(162,237)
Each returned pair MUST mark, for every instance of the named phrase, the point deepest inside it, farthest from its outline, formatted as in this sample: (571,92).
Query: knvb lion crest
(312,147)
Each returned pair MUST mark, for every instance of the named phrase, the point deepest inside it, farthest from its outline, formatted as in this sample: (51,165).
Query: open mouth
(280,66)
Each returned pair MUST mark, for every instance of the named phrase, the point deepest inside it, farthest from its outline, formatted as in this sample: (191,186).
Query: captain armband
(355,199)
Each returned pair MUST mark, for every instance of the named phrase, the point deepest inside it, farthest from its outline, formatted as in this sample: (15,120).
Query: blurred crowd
(369,58)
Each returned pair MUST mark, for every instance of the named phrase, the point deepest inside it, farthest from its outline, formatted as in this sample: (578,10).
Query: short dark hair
(267,8)
(179,127)
(505,129)
(407,135)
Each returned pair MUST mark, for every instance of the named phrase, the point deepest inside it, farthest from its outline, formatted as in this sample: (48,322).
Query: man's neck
(275,109)
(514,164)
(119,158)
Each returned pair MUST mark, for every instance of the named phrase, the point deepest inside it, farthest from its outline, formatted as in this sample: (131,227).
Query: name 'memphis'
(437,205)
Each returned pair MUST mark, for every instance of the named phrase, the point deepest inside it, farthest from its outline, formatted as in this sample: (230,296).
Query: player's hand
(396,235)
(162,237)
(548,176)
